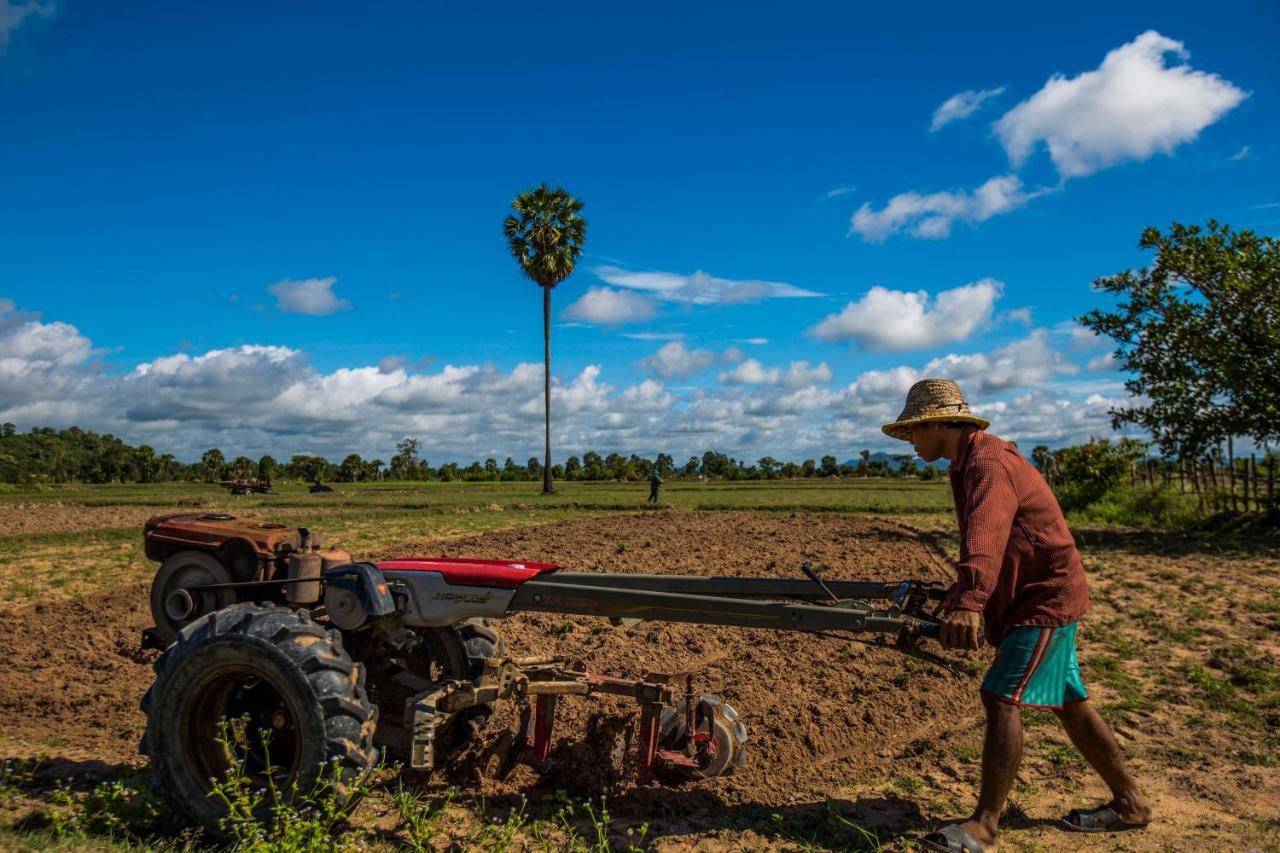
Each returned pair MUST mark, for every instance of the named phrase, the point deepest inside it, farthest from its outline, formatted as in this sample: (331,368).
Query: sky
(276,228)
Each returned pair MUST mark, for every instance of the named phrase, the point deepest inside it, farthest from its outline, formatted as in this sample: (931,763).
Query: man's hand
(960,629)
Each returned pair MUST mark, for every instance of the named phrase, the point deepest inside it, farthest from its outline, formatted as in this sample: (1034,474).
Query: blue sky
(278,229)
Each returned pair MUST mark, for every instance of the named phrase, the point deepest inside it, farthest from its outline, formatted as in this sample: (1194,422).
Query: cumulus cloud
(311,296)
(886,319)
(604,306)
(1021,364)
(263,398)
(1129,108)
(13,15)
(700,288)
(931,215)
(961,105)
(677,360)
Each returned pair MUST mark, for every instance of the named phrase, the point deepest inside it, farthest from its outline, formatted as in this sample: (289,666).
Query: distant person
(655,482)
(1019,568)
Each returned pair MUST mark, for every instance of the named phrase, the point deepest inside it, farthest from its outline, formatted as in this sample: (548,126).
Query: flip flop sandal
(952,838)
(1101,819)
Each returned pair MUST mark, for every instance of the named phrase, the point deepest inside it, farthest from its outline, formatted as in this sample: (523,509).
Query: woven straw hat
(932,400)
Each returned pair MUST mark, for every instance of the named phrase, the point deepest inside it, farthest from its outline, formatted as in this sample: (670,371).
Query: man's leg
(1001,755)
(1092,736)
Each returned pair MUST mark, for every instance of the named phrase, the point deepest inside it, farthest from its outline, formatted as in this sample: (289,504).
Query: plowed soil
(891,741)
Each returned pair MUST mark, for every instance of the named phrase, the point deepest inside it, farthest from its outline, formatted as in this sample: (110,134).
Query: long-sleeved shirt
(1018,561)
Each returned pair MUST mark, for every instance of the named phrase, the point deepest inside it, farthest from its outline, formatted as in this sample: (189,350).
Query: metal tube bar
(729,587)
(541,596)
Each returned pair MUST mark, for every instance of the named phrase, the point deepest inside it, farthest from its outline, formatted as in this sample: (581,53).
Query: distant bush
(1161,507)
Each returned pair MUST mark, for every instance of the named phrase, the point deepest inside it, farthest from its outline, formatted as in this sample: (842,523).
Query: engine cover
(443,590)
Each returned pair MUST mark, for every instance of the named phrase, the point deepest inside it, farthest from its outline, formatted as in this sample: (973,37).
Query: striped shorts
(1036,668)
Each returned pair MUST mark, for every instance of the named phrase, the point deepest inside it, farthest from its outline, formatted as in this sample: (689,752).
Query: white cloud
(12,16)
(750,372)
(753,341)
(1030,361)
(654,336)
(1019,315)
(256,399)
(311,296)
(1242,154)
(1104,362)
(700,288)
(648,396)
(677,360)
(1129,108)
(961,105)
(886,319)
(931,216)
(606,307)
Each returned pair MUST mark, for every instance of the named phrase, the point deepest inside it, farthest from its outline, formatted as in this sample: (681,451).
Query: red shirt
(1018,561)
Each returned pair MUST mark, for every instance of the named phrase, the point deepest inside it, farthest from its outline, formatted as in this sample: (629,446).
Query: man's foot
(1119,815)
(969,836)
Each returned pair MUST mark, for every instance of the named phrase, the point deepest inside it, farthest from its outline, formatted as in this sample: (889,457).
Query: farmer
(1020,577)
(654,482)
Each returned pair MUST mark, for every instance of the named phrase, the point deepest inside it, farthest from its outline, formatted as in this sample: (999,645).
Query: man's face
(927,440)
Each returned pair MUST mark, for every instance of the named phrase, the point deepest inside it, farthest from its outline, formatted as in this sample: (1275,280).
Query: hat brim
(902,429)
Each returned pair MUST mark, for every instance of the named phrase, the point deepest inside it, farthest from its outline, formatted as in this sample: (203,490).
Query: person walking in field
(1021,578)
(654,483)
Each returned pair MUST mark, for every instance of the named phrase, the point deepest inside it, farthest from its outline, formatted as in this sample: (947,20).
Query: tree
(571,468)
(146,464)
(767,464)
(866,459)
(212,462)
(545,235)
(665,464)
(351,469)
(829,467)
(404,465)
(268,468)
(1200,330)
(809,468)
(241,467)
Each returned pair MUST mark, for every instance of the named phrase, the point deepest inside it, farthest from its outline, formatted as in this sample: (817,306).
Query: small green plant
(16,773)
(420,817)
(621,548)
(268,819)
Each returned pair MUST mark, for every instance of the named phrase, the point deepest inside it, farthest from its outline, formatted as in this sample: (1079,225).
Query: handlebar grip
(930,629)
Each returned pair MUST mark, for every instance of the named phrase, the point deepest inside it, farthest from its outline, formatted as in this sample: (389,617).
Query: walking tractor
(329,660)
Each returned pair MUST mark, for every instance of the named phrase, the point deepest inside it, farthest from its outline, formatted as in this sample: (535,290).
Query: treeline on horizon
(47,455)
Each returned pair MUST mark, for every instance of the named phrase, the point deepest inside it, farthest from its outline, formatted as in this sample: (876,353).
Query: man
(654,482)
(1021,577)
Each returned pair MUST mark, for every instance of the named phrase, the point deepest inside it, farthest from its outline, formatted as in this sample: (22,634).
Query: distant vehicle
(241,486)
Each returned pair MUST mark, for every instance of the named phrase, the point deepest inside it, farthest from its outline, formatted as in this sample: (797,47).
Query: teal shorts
(1036,668)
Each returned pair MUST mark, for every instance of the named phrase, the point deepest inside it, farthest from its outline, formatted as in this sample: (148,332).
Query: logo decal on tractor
(463,597)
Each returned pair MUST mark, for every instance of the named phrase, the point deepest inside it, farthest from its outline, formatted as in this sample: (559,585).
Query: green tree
(545,233)
(404,465)
(829,467)
(212,462)
(146,464)
(1086,472)
(572,466)
(351,469)
(767,465)
(1200,331)
(242,467)
(268,468)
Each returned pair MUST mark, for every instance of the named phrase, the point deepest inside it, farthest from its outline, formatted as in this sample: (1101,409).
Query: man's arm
(991,503)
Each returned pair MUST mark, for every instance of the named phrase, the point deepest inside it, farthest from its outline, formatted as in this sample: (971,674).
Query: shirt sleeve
(990,505)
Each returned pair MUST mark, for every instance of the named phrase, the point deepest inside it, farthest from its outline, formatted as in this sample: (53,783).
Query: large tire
(172,607)
(288,674)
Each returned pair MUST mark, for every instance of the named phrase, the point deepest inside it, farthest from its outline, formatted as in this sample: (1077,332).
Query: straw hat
(932,400)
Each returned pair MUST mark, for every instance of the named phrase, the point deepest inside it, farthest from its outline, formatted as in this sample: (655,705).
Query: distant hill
(941,464)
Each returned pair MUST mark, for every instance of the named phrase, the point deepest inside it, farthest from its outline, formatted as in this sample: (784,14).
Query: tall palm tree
(545,234)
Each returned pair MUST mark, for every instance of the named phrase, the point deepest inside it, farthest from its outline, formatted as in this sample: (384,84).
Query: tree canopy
(1200,332)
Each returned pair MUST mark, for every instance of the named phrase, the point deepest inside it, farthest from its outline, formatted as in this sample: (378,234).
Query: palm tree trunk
(546,386)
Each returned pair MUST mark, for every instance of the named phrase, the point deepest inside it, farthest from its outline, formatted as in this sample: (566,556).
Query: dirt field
(1180,652)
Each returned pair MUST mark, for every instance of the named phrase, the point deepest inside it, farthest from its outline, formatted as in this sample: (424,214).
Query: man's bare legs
(1001,755)
(1092,736)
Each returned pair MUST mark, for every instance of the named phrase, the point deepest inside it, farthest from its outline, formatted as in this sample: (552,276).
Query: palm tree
(545,235)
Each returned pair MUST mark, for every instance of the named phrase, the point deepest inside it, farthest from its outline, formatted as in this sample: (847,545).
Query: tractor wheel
(286,680)
(174,605)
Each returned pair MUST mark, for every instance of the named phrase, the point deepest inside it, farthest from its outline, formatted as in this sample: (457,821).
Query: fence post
(1231,472)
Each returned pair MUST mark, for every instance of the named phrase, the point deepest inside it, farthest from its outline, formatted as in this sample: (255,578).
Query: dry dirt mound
(816,709)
